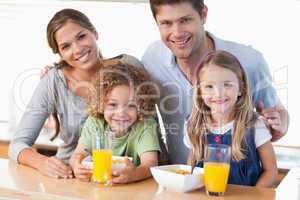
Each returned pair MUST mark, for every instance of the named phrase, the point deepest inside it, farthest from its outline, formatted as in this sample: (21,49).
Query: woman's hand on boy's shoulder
(124,175)
(45,70)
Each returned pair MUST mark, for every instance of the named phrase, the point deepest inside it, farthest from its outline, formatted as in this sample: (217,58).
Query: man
(172,62)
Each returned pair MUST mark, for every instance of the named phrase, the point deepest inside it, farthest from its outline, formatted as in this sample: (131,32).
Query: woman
(63,90)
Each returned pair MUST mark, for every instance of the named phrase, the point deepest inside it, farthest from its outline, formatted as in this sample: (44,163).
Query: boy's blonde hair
(114,73)
(244,115)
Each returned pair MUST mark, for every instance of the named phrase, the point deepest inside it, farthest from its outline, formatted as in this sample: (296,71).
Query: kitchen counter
(21,182)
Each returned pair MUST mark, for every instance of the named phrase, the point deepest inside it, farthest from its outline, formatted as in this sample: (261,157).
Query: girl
(123,104)
(222,113)
(63,90)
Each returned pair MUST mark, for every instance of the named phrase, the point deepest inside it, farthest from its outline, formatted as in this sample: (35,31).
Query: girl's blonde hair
(143,91)
(244,115)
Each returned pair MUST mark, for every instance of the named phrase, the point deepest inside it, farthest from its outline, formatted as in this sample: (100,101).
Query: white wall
(270,26)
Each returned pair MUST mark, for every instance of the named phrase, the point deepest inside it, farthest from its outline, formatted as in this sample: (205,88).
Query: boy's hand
(82,173)
(124,175)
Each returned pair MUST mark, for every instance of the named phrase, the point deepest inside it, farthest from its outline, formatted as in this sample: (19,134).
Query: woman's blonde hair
(143,91)
(243,113)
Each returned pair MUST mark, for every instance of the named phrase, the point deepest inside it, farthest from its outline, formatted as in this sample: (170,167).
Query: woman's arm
(49,166)
(132,174)
(20,148)
(268,160)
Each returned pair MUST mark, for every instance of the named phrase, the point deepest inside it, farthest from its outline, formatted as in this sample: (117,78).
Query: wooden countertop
(22,182)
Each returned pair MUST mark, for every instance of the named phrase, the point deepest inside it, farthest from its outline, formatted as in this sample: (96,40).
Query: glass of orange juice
(102,157)
(216,168)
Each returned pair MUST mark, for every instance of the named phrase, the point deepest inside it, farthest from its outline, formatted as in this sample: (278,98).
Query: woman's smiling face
(77,45)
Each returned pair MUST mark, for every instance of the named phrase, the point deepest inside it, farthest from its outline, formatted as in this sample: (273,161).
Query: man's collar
(169,58)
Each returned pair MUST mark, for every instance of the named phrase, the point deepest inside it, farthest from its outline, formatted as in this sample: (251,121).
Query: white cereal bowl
(168,178)
(117,162)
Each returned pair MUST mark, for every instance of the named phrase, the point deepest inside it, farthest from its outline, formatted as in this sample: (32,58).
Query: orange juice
(102,164)
(216,176)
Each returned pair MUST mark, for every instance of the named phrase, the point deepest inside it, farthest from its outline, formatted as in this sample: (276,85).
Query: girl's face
(77,45)
(219,89)
(119,110)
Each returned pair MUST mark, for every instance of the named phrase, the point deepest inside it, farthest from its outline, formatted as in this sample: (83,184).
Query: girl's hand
(82,173)
(55,168)
(124,175)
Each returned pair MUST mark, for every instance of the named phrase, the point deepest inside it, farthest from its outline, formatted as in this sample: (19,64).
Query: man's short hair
(196,4)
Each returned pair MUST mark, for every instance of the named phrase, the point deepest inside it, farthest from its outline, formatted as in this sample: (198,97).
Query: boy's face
(181,28)
(119,111)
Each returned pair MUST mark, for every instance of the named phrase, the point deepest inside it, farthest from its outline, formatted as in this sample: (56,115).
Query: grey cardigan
(52,94)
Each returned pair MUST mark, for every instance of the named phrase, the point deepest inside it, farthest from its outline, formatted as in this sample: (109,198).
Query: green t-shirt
(141,137)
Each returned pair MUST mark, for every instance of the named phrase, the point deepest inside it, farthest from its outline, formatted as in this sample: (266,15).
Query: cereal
(181,171)
(118,161)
